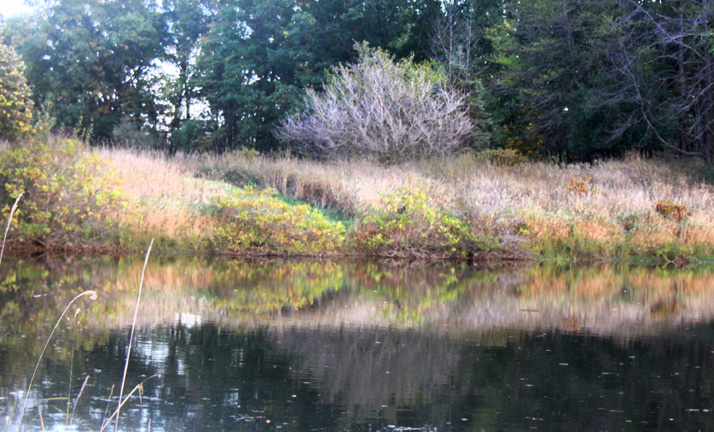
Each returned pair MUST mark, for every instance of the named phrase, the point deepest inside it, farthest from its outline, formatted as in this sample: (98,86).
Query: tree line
(565,79)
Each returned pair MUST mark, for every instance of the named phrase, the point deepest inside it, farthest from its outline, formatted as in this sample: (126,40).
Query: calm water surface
(333,346)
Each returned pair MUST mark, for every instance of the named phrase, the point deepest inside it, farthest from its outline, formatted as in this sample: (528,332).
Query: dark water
(275,345)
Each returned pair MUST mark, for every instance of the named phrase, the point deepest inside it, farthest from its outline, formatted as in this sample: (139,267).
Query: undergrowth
(256,222)
(72,198)
(408,225)
(469,207)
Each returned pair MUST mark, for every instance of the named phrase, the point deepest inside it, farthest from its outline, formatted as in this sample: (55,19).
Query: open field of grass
(603,210)
(463,207)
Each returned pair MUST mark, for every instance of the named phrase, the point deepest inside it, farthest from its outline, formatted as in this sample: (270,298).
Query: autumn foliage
(15,103)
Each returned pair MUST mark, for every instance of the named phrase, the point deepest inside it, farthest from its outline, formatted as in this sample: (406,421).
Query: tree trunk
(708,99)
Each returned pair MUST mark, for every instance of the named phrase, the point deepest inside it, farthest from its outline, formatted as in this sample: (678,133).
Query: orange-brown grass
(165,191)
(613,214)
(351,187)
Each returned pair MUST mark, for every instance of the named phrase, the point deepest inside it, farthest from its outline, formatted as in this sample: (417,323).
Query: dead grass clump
(598,235)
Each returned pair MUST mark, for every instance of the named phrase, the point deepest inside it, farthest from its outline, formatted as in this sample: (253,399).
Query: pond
(361,346)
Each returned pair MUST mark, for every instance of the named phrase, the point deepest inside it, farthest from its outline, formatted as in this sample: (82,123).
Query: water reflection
(362,346)
(620,300)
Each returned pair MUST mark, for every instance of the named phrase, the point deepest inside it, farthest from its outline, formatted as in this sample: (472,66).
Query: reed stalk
(9,219)
(106,409)
(139,387)
(92,295)
(12,411)
(76,401)
(131,337)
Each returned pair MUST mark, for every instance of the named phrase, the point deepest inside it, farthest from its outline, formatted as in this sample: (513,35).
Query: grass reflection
(614,299)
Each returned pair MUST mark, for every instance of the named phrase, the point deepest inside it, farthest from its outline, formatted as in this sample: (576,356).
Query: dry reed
(131,336)
(531,203)
(9,220)
(93,296)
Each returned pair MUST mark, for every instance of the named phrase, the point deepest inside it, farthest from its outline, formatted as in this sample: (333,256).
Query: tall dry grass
(166,193)
(604,209)
(614,215)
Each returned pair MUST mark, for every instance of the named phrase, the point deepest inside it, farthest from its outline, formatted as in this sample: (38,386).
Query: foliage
(15,103)
(191,136)
(188,21)
(259,56)
(256,222)
(672,209)
(128,134)
(71,200)
(409,226)
(392,111)
(582,186)
(91,61)
(459,46)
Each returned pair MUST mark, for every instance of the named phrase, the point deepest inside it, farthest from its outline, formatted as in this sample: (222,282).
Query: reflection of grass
(121,402)
(605,299)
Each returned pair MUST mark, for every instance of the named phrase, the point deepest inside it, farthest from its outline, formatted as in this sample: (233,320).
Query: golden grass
(165,192)
(528,203)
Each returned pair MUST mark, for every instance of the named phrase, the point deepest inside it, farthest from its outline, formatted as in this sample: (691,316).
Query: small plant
(672,209)
(256,222)
(409,226)
(248,153)
(582,186)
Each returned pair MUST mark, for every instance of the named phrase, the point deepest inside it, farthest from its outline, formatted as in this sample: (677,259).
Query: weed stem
(131,336)
(9,219)
(92,295)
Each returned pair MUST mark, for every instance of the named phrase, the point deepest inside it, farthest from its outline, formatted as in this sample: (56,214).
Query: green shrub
(71,197)
(15,103)
(409,227)
(256,222)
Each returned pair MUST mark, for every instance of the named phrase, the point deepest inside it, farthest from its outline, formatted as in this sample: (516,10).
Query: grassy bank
(474,206)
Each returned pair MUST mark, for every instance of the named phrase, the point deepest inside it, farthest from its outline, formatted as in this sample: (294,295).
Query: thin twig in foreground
(131,335)
(9,219)
(139,387)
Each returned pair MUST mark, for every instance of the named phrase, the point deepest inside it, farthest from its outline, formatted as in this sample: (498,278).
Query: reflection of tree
(389,375)
(571,382)
(341,379)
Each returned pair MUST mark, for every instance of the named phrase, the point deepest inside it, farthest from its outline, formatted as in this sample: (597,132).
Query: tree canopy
(566,79)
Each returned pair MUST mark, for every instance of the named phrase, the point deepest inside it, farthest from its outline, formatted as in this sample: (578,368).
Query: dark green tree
(259,56)
(553,92)
(459,44)
(91,61)
(666,68)
(188,21)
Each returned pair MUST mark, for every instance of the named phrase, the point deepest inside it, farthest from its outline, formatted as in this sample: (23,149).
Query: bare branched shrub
(392,111)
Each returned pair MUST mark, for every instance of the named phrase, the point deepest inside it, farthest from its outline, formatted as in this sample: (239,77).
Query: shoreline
(82,200)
